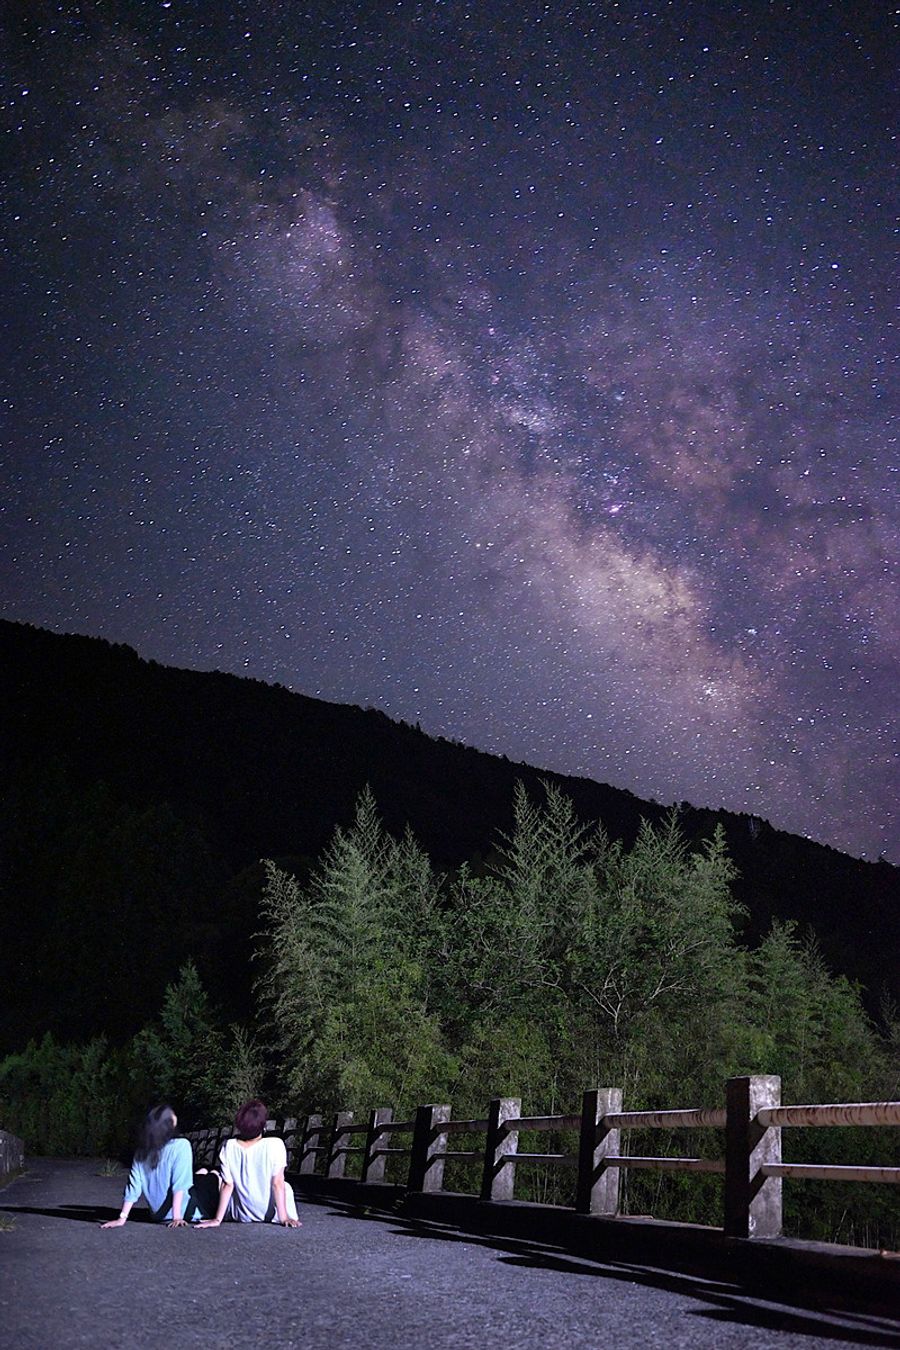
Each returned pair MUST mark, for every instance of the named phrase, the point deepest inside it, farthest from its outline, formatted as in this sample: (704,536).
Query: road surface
(346,1281)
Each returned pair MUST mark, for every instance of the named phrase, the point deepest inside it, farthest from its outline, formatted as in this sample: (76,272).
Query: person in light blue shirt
(162,1172)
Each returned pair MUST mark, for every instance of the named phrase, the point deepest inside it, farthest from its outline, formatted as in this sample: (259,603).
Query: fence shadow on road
(735,1304)
(795,1311)
(862,1328)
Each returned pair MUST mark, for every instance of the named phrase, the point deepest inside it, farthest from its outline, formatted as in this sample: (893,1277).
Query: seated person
(253,1188)
(162,1172)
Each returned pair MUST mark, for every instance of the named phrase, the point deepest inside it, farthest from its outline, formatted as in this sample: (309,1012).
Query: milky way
(518,369)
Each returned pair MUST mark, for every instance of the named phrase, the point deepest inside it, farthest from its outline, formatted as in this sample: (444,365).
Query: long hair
(154,1132)
(250,1120)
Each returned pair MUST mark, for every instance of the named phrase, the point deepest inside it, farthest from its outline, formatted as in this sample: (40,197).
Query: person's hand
(177,1223)
(113,1223)
(292,1223)
(207,1223)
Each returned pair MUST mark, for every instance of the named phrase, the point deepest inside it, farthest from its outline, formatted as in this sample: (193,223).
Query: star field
(519,369)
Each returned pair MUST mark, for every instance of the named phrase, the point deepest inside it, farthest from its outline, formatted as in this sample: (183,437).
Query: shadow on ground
(81,1213)
(799,1312)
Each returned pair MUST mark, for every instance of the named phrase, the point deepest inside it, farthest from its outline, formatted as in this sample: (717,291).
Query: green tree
(809,1025)
(65,1099)
(515,927)
(661,933)
(179,1056)
(237,1075)
(345,968)
(621,958)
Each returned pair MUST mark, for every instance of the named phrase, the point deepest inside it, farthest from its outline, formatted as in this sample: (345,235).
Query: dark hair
(250,1120)
(154,1132)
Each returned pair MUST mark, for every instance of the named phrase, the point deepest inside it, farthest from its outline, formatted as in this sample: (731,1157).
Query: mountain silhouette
(139,798)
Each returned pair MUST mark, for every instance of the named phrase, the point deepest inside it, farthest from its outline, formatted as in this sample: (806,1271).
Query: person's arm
(182,1176)
(281,1203)
(176,1220)
(224,1197)
(117,1223)
(133,1190)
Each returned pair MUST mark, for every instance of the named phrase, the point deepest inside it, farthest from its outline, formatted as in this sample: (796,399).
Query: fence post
(597,1190)
(337,1158)
(306,1158)
(752,1201)
(498,1180)
(289,1135)
(216,1142)
(373,1160)
(426,1172)
(208,1146)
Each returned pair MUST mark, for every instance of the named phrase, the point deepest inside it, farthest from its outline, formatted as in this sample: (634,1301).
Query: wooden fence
(752,1119)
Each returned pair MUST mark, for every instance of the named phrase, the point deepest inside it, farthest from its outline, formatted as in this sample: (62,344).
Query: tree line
(137,800)
(568,960)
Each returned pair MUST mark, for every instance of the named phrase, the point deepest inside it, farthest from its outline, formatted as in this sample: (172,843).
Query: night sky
(518,369)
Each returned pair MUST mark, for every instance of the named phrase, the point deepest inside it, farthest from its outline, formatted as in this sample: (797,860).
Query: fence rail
(466,1126)
(848,1113)
(712,1118)
(752,1120)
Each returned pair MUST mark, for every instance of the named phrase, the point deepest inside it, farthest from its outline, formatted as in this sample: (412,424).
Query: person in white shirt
(253,1188)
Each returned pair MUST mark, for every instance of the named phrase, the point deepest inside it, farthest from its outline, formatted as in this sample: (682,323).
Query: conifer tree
(346,966)
(179,1055)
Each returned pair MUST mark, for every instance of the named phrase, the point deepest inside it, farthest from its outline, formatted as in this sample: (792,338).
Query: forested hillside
(139,799)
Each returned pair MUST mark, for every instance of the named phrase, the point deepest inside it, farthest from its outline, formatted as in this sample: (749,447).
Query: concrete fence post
(12,1155)
(307,1141)
(213,1147)
(426,1171)
(597,1189)
(215,1143)
(752,1201)
(498,1180)
(204,1144)
(337,1158)
(373,1159)
(289,1135)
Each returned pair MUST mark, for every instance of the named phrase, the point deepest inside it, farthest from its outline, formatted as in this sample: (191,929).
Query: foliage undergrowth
(568,961)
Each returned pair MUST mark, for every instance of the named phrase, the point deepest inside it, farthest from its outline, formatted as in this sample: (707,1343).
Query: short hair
(250,1120)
